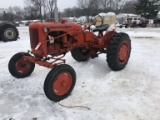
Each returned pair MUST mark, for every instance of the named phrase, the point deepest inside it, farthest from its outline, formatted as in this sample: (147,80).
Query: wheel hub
(84,51)
(124,52)
(9,33)
(62,83)
(22,65)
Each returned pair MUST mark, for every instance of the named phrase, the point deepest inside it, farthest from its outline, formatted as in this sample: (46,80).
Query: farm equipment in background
(8,31)
(50,41)
(132,22)
(156,22)
(142,24)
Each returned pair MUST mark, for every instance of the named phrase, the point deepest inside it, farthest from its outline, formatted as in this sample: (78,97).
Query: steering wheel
(98,20)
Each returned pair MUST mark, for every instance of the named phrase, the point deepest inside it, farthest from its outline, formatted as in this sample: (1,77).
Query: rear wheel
(60,82)
(9,33)
(19,67)
(80,54)
(118,51)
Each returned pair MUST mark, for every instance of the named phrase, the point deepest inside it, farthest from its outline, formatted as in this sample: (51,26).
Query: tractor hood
(66,27)
(40,30)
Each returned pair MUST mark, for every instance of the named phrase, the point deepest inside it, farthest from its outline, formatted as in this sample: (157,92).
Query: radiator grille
(34,37)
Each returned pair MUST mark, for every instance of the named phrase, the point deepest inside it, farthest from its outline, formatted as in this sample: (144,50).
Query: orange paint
(63,37)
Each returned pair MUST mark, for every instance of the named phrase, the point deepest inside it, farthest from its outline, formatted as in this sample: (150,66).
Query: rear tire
(118,52)
(19,67)
(59,82)
(8,33)
(80,54)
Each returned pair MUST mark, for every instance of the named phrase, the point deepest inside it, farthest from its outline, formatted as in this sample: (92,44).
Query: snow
(158,15)
(125,15)
(99,94)
(107,14)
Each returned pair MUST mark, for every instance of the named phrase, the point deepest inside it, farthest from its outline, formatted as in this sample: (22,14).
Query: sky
(62,4)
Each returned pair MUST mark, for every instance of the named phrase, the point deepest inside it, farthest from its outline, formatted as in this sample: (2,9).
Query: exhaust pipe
(56,12)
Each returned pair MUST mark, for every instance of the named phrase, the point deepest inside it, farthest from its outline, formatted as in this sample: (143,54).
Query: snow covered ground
(99,94)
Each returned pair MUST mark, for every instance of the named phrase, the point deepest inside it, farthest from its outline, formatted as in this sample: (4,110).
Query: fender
(5,22)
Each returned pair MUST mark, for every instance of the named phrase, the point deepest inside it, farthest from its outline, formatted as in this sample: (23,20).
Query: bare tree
(31,13)
(113,5)
(16,11)
(12,14)
(129,7)
(38,4)
(89,6)
(107,5)
(119,4)
(68,12)
(50,5)
(45,10)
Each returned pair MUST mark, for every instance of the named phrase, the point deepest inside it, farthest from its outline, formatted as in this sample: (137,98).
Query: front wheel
(118,52)
(19,67)
(59,82)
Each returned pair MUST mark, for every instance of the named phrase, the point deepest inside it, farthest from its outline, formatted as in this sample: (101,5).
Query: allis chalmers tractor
(50,41)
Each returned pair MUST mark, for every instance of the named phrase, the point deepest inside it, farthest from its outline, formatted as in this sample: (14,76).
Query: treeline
(42,9)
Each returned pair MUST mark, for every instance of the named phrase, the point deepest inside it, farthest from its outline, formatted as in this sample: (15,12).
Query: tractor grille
(34,37)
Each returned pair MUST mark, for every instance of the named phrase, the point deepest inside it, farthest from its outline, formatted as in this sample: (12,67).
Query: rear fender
(5,22)
(107,37)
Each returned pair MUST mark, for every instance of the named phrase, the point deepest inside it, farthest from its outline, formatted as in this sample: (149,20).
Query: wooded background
(42,9)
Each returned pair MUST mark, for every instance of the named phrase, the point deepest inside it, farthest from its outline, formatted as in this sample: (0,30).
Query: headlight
(46,29)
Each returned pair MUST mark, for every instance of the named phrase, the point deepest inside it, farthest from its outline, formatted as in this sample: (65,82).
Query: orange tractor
(50,41)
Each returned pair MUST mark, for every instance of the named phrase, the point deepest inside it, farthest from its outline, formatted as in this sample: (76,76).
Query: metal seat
(101,28)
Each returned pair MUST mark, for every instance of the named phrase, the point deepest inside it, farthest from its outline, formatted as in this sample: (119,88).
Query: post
(56,12)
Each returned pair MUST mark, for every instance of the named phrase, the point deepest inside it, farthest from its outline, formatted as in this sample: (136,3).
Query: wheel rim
(124,52)
(9,33)
(62,84)
(22,65)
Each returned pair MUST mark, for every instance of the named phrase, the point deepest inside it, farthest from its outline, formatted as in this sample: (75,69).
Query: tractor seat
(101,28)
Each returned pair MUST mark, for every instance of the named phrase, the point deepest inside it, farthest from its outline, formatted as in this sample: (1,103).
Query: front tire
(19,67)
(118,52)
(59,82)
(9,33)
